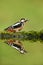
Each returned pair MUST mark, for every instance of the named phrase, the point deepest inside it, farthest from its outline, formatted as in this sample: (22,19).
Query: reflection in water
(14,39)
(17,45)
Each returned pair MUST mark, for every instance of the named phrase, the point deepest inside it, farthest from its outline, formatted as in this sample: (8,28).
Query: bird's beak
(27,20)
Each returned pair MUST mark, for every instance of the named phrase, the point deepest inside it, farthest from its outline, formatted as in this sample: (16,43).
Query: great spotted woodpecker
(17,26)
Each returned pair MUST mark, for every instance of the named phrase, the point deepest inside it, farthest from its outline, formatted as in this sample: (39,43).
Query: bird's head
(23,20)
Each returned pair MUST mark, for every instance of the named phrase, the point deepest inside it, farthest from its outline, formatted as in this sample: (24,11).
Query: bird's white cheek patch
(22,20)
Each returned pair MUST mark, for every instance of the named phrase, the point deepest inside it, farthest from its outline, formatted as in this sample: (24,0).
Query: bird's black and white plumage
(19,48)
(17,26)
(17,45)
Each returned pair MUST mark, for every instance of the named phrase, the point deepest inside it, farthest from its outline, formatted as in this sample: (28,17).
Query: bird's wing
(15,25)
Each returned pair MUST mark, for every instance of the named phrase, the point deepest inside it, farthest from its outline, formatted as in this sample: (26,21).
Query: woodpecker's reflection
(17,45)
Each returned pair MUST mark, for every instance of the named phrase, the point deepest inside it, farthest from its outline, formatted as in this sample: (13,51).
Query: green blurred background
(10,12)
